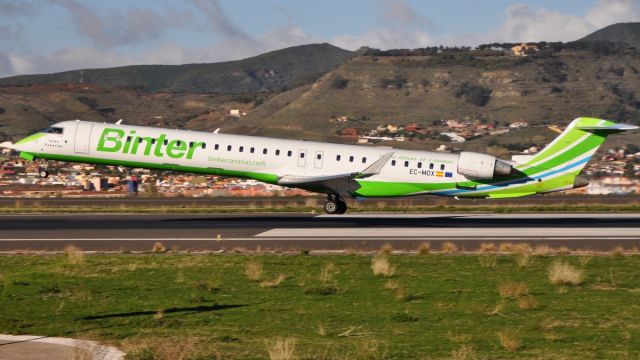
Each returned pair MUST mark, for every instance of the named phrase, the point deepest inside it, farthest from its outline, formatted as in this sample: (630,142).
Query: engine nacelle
(482,166)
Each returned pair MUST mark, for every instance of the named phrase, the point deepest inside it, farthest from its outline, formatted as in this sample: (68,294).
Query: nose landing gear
(335,205)
(43,171)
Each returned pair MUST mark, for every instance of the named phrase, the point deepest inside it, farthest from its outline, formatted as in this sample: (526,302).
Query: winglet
(614,127)
(376,167)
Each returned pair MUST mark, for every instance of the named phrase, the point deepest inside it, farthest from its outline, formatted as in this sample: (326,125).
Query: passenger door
(83,137)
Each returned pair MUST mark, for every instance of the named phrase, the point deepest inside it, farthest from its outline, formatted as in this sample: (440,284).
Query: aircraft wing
(342,184)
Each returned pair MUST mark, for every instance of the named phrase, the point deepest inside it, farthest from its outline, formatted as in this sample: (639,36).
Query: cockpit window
(53,130)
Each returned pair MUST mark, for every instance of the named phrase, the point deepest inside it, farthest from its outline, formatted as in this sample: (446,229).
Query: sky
(44,36)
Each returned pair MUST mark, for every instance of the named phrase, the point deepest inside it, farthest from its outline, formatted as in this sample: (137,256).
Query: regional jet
(339,171)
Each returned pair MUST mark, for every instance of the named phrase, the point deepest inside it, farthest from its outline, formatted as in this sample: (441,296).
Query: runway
(296,232)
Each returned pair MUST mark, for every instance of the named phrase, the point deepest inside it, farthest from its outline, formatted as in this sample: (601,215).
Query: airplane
(340,171)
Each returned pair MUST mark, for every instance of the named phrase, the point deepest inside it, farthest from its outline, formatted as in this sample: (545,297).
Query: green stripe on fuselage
(267,178)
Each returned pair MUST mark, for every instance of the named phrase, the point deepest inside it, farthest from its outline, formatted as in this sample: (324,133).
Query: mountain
(274,71)
(628,33)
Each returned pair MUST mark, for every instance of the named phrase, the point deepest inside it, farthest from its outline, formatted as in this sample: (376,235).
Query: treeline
(545,48)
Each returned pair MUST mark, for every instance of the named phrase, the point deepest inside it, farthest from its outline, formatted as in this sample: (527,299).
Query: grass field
(429,306)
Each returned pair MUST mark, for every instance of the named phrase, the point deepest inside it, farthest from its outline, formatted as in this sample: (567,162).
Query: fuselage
(269,160)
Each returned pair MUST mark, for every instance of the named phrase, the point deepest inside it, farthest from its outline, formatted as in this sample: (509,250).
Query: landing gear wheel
(342,207)
(44,174)
(331,207)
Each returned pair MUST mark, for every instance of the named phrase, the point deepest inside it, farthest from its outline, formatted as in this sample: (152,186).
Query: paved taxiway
(294,232)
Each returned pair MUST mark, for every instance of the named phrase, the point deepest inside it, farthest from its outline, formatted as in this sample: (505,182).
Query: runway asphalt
(296,232)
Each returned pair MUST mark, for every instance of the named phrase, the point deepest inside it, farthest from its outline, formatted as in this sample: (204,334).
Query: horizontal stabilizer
(615,127)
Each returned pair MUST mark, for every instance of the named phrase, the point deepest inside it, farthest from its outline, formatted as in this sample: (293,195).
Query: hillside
(628,33)
(491,87)
(273,71)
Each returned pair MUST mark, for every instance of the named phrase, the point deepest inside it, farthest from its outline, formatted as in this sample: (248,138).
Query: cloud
(524,23)
(401,13)
(130,27)
(399,26)
(384,39)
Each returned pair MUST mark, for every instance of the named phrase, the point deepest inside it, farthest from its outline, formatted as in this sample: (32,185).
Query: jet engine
(482,166)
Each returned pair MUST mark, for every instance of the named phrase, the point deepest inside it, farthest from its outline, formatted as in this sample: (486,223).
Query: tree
(339,82)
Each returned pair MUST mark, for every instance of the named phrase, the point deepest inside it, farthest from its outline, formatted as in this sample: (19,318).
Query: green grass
(203,306)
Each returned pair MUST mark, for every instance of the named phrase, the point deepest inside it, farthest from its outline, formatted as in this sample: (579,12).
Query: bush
(397,82)
(473,94)
(381,266)
(563,273)
(339,83)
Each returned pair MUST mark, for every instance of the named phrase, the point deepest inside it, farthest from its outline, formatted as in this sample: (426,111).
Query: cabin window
(289,153)
(406,164)
(351,158)
(153,141)
(191,144)
(128,138)
(431,166)
(364,160)
(419,165)
(264,151)
(441,166)
(139,140)
(216,146)
(241,149)
(204,145)
(301,155)
(338,157)
(319,156)
(252,150)
(178,143)
(277,152)
(393,163)
(228,147)
(166,142)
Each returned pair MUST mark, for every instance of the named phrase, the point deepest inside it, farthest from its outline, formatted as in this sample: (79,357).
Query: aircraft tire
(342,207)
(331,207)
(44,174)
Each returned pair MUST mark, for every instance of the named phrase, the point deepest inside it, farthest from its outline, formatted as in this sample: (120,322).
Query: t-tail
(559,165)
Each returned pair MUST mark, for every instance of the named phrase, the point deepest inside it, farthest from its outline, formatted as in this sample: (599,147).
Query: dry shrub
(584,260)
(513,289)
(386,249)
(158,248)
(617,251)
(253,271)
(327,272)
(542,250)
(563,250)
(509,340)
(399,291)
(465,352)
(273,282)
(523,259)
(382,267)
(281,348)
(159,314)
(488,247)
(74,255)
(449,247)
(424,248)
(506,247)
(488,261)
(563,273)
(527,302)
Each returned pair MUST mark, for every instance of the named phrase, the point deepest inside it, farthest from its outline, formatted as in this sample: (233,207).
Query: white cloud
(524,23)
(384,39)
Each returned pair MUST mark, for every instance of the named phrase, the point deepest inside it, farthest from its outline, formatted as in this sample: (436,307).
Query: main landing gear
(335,205)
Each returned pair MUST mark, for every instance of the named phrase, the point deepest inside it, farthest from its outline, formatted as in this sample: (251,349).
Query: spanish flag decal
(439,173)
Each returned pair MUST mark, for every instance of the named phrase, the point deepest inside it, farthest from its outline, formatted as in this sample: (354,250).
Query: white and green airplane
(340,171)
